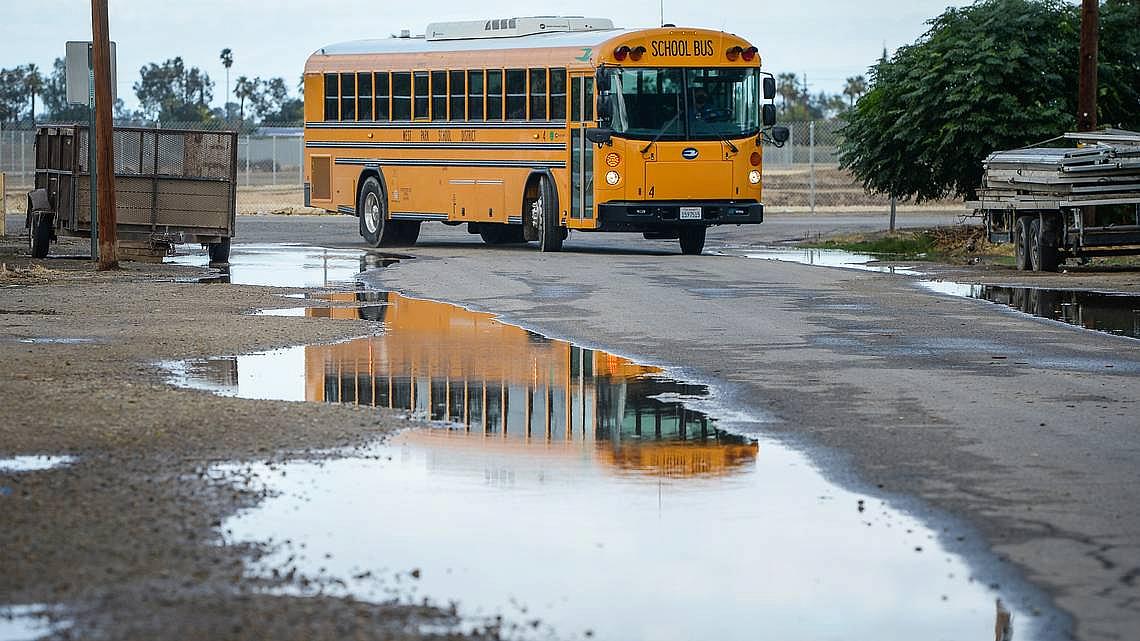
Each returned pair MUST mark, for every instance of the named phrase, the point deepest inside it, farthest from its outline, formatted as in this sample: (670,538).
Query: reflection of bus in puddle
(498,385)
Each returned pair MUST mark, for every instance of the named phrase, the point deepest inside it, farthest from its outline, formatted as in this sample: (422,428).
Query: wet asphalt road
(978,416)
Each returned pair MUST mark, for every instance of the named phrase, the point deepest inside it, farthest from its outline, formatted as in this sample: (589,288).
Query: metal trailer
(1059,203)
(171,186)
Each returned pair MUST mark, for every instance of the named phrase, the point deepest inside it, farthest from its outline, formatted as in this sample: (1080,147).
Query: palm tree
(243,88)
(788,87)
(227,62)
(855,88)
(33,82)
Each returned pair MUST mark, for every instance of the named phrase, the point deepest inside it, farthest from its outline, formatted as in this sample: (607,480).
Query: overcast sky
(827,40)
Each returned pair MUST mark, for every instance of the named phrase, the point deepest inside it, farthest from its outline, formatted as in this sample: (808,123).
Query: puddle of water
(27,622)
(584,490)
(33,463)
(1117,314)
(830,258)
(287,265)
(58,341)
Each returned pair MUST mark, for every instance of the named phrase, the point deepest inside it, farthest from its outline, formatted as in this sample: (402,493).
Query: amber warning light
(634,54)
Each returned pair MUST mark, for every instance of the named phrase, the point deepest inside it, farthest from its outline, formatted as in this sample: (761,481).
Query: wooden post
(3,207)
(1086,92)
(103,136)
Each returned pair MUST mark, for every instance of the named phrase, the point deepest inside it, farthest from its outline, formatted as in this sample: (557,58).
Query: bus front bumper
(657,215)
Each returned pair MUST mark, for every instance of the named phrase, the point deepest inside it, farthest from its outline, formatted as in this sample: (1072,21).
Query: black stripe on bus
(409,215)
(437,124)
(345,210)
(537,146)
(521,164)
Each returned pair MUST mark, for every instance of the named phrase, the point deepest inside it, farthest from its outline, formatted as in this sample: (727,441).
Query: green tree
(855,88)
(244,89)
(999,74)
(33,82)
(227,57)
(13,95)
(170,91)
(788,87)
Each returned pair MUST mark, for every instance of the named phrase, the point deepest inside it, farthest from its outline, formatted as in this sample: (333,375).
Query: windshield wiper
(728,142)
(662,132)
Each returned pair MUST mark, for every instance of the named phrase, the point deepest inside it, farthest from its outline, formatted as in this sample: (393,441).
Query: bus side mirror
(769,115)
(780,135)
(769,88)
(599,136)
(604,109)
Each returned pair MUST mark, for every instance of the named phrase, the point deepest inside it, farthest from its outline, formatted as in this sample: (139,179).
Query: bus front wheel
(372,209)
(544,216)
(692,240)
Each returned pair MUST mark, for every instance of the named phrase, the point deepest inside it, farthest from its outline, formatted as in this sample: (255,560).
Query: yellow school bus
(503,125)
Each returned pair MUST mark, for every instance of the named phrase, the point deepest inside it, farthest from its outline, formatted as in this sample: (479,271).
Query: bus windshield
(684,104)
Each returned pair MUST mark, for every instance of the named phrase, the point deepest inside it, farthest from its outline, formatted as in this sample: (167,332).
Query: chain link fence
(804,175)
(801,176)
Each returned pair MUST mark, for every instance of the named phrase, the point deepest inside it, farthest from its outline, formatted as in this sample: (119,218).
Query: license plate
(690,213)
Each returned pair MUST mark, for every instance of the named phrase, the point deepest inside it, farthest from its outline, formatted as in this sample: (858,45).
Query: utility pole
(103,136)
(1086,98)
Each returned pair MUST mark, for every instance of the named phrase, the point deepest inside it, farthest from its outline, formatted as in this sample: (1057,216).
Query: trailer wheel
(692,240)
(39,234)
(1043,255)
(1021,243)
(219,252)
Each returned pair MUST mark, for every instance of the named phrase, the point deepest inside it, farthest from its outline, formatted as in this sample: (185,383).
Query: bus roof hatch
(514,27)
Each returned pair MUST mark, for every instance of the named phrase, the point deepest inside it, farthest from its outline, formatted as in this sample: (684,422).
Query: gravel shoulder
(124,542)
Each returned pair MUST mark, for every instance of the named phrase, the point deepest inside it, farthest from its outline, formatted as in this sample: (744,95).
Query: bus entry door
(581,151)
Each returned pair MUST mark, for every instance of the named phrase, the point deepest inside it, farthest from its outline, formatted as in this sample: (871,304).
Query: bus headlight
(613,178)
(754,176)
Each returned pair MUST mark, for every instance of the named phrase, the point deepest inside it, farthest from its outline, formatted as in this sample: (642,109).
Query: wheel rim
(372,212)
(1034,247)
(538,215)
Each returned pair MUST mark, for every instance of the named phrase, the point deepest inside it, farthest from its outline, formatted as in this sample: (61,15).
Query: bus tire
(1043,255)
(409,232)
(372,210)
(544,215)
(499,234)
(219,252)
(1021,243)
(39,234)
(692,240)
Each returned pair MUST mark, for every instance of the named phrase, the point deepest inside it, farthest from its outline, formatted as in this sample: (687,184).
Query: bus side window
(516,94)
(457,89)
(475,95)
(558,94)
(588,106)
(439,95)
(420,99)
(332,97)
(494,94)
(401,96)
(348,96)
(382,93)
(364,96)
(538,94)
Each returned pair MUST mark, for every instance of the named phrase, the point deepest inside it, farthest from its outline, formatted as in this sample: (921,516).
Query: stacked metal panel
(1103,169)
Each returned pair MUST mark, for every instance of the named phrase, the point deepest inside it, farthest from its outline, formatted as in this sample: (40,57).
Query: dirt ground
(123,543)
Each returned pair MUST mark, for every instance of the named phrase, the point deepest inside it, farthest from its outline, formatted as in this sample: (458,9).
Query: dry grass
(33,274)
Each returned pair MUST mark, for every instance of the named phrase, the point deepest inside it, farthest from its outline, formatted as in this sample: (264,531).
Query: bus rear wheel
(372,209)
(692,240)
(544,217)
